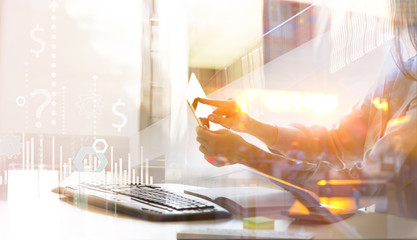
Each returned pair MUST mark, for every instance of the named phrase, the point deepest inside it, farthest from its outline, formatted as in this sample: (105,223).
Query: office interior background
(111,76)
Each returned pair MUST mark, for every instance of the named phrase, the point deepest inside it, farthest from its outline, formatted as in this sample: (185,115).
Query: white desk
(51,218)
(45,216)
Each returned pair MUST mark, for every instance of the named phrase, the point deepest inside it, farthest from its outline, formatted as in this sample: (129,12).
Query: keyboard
(149,202)
(220,233)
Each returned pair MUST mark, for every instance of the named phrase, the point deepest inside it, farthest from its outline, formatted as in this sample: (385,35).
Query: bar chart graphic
(44,153)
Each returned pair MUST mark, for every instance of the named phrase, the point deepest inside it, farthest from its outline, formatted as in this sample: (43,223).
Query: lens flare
(380,104)
(288,101)
(398,121)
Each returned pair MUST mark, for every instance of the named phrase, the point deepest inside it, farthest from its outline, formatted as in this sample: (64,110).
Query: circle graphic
(20,101)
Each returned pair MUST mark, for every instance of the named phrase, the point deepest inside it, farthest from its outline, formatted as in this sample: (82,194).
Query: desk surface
(49,217)
(43,215)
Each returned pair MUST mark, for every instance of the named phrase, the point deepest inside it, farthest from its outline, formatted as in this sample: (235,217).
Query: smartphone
(193,111)
(194,90)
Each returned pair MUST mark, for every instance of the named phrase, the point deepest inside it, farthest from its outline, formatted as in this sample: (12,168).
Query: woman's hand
(228,114)
(222,147)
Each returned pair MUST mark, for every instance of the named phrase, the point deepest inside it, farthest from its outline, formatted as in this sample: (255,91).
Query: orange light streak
(348,182)
(336,205)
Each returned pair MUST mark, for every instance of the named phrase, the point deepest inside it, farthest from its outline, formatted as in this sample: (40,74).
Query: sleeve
(337,145)
(387,156)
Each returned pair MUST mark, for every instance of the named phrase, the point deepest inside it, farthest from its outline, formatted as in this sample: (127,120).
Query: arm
(230,115)
(272,135)
(230,148)
(342,142)
(224,147)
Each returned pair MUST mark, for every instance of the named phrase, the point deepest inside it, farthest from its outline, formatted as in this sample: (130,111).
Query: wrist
(250,125)
(267,133)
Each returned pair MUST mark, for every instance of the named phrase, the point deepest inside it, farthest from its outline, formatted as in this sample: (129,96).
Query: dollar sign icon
(122,116)
(38,40)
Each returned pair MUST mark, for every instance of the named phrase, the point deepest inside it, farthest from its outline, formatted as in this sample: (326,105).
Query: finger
(201,130)
(225,122)
(205,122)
(203,149)
(195,103)
(204,133)
(201,140)
(220,111)
(214,103)
(198,130)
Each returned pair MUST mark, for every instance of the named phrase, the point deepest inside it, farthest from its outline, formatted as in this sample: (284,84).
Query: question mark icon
(45,103)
